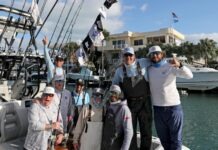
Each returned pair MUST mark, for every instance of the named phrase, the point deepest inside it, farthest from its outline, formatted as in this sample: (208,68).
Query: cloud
(144,7)
(196,37)
(85,20)
(128,8)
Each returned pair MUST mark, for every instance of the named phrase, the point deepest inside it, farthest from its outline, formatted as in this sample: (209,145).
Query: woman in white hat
(42,118)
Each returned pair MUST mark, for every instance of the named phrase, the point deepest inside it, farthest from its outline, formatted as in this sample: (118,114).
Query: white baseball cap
(57,78)
(129,50)
(49,90)
(155,48)
(115,88)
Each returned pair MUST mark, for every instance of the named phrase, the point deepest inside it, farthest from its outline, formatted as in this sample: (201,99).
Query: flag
(108,3)
(95,32)
(34,9)
(87,44)
(81,56)
(103,12)
(175,17)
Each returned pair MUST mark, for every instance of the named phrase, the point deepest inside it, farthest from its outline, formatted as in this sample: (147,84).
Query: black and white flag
(95,32)
(108,3)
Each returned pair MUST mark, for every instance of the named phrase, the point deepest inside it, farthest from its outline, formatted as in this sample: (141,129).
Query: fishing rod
(54,132)
(57,23)
(63,25)
(8,21)
(46,18)
(72,23)
(41,11)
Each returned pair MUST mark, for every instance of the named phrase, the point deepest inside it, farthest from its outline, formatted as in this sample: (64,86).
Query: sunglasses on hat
(154,53)
(49,95)
(128,54)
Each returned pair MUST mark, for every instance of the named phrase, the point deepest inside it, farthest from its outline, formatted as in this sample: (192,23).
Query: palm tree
(207,49)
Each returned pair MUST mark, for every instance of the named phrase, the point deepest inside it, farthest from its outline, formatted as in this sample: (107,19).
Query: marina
(25,69)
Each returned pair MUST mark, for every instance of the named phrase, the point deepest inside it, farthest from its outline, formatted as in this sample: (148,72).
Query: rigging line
(42,9)
(64,24)
(69,36)
(46,18)
(19,20)
(5,27)
(57,23)
(72,22)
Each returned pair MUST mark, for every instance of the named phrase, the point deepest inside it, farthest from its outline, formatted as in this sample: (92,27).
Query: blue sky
(197,18)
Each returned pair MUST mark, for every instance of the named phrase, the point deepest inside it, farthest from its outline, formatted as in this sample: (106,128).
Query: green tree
(69,49)
(207,49)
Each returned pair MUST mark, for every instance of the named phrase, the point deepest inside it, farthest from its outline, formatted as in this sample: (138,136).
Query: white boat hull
(201,81)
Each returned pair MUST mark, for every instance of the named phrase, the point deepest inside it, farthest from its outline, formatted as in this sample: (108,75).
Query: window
(138,42)
(118,44)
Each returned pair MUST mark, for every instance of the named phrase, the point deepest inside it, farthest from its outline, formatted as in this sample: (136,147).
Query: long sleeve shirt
(38,117)
(163,84)
(66,105)
(131,70)
(51,67)
(123,122)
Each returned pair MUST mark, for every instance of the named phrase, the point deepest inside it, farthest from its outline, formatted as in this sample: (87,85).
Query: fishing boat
(204,78)
(21,68)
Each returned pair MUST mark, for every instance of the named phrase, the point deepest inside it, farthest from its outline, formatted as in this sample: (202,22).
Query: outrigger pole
(46,18)
(57,23)
(63,26)
(8,21)
(72,23)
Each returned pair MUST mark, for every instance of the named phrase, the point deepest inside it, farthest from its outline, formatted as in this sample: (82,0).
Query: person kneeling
(117,130)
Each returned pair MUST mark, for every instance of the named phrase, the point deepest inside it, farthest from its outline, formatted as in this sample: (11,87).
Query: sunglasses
(49,95)
(59,81)
(154,53)
(112,93)
(128,54)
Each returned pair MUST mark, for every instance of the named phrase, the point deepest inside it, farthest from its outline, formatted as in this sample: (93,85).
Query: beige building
(138,40)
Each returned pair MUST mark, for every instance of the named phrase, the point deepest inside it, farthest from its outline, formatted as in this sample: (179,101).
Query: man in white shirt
(168,113)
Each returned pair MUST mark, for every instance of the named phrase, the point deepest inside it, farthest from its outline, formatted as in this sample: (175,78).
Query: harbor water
(200,130)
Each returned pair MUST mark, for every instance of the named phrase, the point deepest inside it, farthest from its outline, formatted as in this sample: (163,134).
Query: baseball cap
(80,82)
(49,90)
(115,88)
(58,78)
(155,48)
(129,50)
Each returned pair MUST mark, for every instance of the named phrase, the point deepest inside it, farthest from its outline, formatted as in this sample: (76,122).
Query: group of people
(140,88)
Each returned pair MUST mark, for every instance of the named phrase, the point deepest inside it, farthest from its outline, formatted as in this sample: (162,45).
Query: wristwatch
(180,66)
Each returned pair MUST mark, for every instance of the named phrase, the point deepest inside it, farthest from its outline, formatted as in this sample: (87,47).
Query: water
(200,130)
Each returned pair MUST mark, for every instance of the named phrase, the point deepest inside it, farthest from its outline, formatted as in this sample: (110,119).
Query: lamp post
(102,57)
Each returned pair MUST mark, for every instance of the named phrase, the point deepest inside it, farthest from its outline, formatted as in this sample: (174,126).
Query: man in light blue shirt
(53,69)
(80,98)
